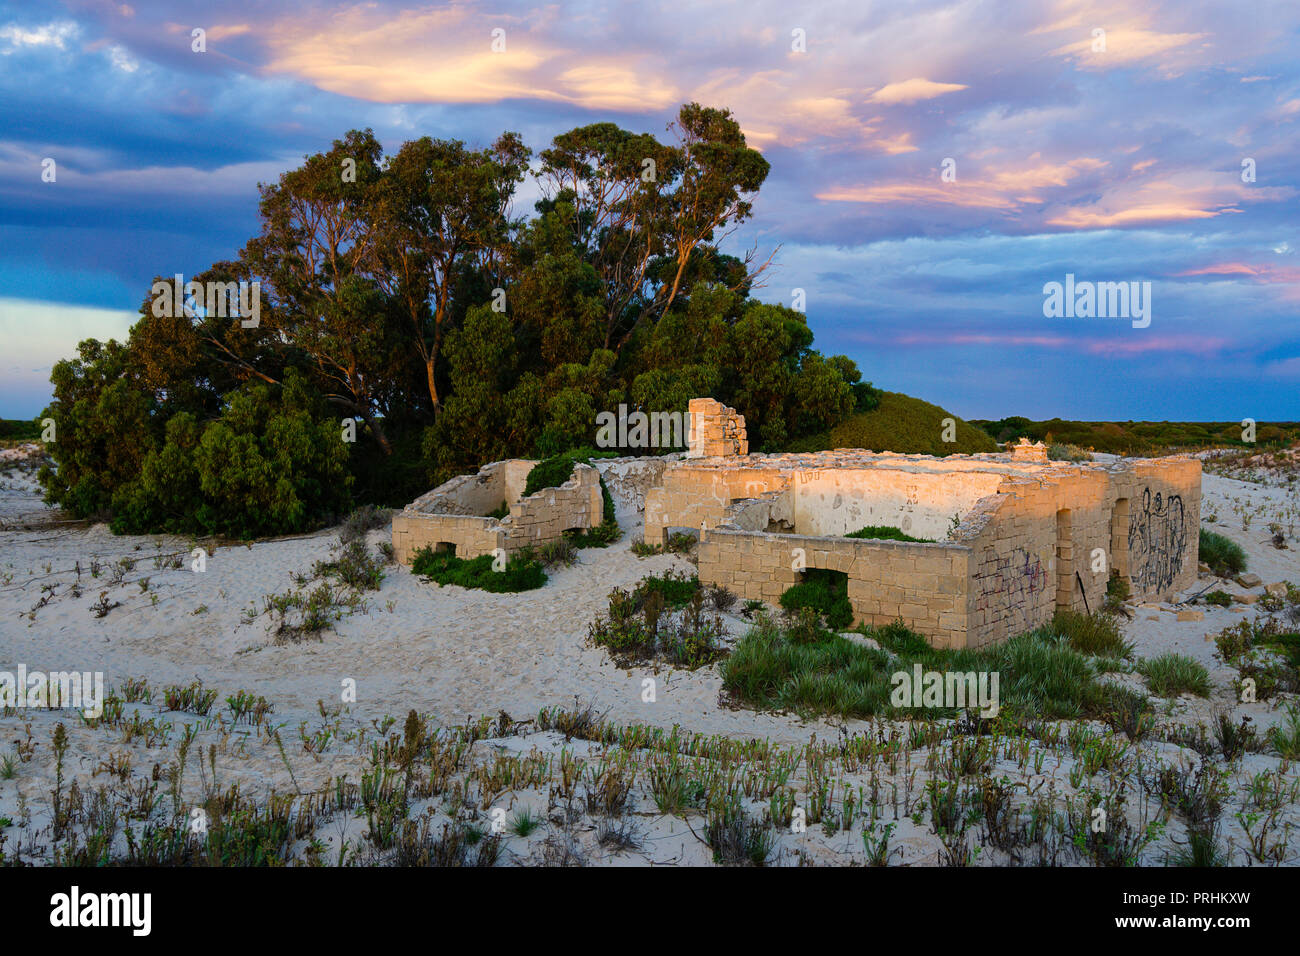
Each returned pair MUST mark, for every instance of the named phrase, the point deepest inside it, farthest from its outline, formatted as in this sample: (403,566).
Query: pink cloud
(911,91)
(1129,345)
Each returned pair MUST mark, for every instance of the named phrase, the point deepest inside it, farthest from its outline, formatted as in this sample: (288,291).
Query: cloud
(57,35)
(911,91)
(1007,189)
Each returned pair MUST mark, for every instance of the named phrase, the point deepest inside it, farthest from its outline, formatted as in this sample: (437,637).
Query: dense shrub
(272,463)
(1172,674)
(1224,556)
(1063,452)
(826,592)
(522,571)
(555,471)
(1218,598)
(1096,635)
(779,667)
(674,587)
(903,424)
(884,532)
(1117,592)
(643,626)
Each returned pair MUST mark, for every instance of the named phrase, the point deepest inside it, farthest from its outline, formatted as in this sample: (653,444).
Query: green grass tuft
(1224,556)
(1172,674)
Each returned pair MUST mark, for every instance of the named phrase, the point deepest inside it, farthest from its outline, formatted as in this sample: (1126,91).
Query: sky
(935,166)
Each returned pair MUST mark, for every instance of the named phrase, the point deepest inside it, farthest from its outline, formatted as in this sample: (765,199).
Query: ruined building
(1011,536)
(458,516)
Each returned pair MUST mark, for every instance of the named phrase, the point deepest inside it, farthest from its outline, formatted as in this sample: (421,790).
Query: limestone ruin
(1010,536)
(1015,536)
(455,515)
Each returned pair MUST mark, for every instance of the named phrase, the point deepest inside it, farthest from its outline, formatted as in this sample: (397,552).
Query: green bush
(355,567)
(522,571)
(1224,556)
(555,471)
(834,676)
(1117,591)
(1063,452)
(1040,675)
(643,626)
(1218,598)
(676,588)
(272,463)
(826,592)
(886,532)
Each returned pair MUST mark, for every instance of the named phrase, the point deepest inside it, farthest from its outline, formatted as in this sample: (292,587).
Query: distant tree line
(400,292)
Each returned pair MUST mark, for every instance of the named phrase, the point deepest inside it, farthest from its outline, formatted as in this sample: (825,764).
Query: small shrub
(1234,739)
(1218,598)
(363,520)
(601,536)
(1285,737)
(643,550)
(525,823)
(721,599)
(355,567)
(680,542)
(1126,711)
(642,625)
(1117,592)
(674,587)
(193,699)
(826,592)
(562,552)
(1224,556)
(1065,452)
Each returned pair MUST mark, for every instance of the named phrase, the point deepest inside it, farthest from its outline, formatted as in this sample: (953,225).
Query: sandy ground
(451,653)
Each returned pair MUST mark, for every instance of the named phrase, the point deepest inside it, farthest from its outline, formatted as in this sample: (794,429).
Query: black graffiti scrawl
(1157,541)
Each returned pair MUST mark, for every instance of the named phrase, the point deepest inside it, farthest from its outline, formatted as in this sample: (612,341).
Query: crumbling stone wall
(716,430)
(697,494)
(454,513)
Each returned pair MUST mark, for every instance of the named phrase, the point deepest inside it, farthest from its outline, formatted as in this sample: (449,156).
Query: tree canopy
(402,293)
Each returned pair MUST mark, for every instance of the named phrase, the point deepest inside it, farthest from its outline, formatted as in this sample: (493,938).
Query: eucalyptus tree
(440,215)
(311,258)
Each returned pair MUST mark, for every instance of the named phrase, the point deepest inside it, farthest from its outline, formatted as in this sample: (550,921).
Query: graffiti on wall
(1157,541)
(1006,582)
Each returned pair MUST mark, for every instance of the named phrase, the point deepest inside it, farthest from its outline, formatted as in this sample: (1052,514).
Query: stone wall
(453,514)
(1050,540)
(697,494)
(924,585)
(920,503)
